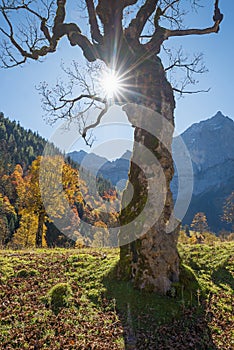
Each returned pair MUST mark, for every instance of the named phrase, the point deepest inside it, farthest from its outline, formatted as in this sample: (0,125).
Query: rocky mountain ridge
(211,148)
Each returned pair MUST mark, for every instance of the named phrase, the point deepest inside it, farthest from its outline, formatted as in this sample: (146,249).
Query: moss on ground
(60,296)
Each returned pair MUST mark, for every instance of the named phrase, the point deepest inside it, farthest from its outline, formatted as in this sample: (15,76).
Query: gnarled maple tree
(127,35)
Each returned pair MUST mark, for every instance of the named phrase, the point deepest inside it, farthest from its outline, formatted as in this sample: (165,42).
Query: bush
(60,296)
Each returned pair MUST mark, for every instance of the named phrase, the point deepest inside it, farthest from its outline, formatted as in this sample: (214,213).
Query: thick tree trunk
(39,234)
(148,255)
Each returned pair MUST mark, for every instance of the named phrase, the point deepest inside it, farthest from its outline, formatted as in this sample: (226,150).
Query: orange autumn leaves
(51,191)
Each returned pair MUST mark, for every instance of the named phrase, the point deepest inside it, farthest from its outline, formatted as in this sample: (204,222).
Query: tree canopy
(122,35)
(45,25)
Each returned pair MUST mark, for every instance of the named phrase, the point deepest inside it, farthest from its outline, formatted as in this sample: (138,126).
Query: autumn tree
(10,183)
(8,218)
(51,206)
(127,35)
(199,223)
(25,235)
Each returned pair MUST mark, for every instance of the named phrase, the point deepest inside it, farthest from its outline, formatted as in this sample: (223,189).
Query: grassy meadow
(72,299)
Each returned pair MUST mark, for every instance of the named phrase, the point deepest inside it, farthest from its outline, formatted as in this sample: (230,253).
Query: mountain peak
(219,114)
(127,155)
(218,120)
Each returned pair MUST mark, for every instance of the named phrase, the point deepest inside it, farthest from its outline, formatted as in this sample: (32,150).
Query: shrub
(59,296)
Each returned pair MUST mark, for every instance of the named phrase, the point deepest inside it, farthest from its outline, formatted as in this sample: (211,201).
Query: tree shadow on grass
(151,321)
(222,276)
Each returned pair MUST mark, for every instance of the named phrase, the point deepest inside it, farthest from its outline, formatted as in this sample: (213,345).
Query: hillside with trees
(18,146)
(24,221)
(23,218)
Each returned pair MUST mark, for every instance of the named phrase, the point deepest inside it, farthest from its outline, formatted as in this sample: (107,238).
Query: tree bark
(39,234)
(149,256)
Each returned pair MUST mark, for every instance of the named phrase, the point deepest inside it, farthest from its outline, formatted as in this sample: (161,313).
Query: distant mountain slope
(116,171)
(210,144)
(89,161)
(211,147)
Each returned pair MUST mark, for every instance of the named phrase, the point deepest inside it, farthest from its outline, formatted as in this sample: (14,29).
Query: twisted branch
(218,17)
(138,23)
(59,29)
(95,31)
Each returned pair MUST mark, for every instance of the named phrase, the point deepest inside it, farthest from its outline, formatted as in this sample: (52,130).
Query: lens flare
(111,83)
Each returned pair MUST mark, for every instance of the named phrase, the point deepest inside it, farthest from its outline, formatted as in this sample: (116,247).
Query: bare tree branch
(181,61)
(66,101)
(26,8)
(96,123)
(209,30)
(182,92)
(218,17)
(137,25)
(173,14)
(11,37)
(45,30)
(59,101)
(59,29)
(95,31)
(8,52)
(127,3)
(182,69)
(170,5)
(161,34)
(22,7)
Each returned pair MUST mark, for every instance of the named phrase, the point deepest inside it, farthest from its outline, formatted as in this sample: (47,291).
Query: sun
(111,83)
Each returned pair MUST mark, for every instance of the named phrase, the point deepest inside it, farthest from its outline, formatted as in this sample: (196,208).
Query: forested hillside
(24,220)
(18,146)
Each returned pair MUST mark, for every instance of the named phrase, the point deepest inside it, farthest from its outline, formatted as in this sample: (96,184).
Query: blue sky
(19,100)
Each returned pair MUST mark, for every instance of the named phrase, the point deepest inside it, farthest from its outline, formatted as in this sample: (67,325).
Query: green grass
(213,265)
(72,299)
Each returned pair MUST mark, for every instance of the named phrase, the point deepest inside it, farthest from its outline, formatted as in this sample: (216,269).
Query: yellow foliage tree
(7,216)
(48,186)
(25,236)
(199,223)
